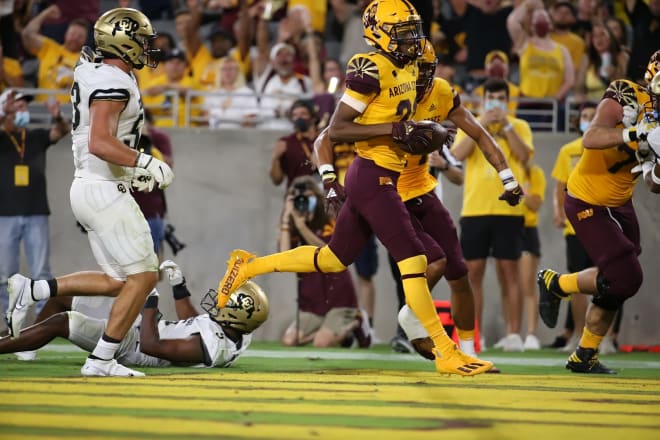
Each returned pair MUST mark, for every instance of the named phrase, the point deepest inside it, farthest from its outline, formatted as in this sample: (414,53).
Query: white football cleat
(101,368)
(532,343)
(20,299)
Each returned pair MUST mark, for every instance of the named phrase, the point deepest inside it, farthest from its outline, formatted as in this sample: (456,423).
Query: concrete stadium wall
(222,199)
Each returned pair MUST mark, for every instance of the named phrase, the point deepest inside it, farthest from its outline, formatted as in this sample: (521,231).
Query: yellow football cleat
(235,275)
(457,362)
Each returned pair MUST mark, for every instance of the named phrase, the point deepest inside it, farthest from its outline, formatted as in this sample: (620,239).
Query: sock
(568,283)
(300,259)
(41,290)
(106,348)
(418,298)
(371,322)
(590,340)
(466,341)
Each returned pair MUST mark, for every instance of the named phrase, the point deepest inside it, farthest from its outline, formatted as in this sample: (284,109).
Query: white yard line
(396,357)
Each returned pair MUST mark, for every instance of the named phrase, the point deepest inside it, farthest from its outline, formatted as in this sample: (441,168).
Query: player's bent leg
(129,302)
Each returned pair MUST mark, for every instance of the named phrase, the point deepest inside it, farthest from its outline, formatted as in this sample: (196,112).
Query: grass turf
(273,392)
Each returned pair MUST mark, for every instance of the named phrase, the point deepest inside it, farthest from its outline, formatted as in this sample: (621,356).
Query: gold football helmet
(426,63)
(127,34)
(394,27)
(245,311)
(653,67)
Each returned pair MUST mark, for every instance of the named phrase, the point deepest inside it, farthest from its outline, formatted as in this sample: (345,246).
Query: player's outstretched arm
(182,351)
(172,273)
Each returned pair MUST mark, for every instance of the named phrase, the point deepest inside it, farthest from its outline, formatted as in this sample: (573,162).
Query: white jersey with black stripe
(93,81)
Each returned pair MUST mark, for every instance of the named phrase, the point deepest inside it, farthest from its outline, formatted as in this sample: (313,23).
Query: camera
(300,201)
(171,239)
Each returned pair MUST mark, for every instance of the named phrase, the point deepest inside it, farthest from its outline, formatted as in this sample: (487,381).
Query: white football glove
(142,180)
(172,271)
(630,113)
(157,168)
(653,140)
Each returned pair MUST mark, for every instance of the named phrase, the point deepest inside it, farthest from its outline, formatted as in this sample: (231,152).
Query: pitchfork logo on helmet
(394,27)
(127,34)
(245,311)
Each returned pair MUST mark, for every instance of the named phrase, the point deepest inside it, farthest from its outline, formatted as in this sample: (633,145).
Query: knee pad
(621,277)
(326,261)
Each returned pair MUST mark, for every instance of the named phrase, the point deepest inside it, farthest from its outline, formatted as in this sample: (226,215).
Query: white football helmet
(245,311)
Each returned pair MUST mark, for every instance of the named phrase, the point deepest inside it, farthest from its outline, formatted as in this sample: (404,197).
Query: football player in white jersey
(213,339)
(107,119)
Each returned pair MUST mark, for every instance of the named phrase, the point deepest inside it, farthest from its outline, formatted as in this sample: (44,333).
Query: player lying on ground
(213,339)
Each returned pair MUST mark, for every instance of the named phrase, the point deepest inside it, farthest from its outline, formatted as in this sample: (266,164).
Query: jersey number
(75,98)
(404,109)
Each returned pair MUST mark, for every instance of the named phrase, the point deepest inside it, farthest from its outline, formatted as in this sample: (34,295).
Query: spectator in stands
(56,62)
(277,84)
(24,207)
(292,156)
(546,69)
(161,93)
(225,43)
(563,16)
(11,73)
(491,227)
(619,30)
(603,62)
(328,310)
(484,23)
(497,66)
(186,23)
(445,69)
(534,187)
(85,11)
(232,104)
(645,21)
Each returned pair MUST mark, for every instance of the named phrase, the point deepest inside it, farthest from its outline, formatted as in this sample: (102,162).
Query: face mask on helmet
(22,119)
(245,311)
(653,67)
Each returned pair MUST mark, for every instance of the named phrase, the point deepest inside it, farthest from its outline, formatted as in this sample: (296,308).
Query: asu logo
(585,214)
(126,25)
(369,19)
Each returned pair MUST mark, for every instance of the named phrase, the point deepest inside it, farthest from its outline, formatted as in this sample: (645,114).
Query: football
(425,137)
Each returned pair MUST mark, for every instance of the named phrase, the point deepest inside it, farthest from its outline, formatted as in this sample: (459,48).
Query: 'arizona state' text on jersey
(383,93)
(100,81)
(602,176)
(415,180)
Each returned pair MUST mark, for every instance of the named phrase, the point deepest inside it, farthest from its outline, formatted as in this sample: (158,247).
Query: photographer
(327,304)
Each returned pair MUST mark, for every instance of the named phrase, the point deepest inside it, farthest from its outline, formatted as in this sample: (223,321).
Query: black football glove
(412,136)
(334,193)
(514,195)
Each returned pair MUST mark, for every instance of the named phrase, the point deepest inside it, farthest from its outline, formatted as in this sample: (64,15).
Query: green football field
(278,393)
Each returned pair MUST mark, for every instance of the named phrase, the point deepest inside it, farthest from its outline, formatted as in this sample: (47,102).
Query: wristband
(326,168)
(506,174)
(151,303)
(508,128)
(629,134)
(445,168)
(180,291)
